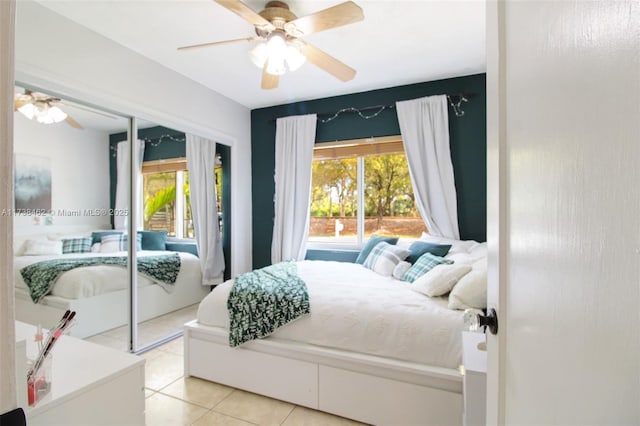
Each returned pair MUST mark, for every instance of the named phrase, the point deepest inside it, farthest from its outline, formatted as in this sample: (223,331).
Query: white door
(563,86)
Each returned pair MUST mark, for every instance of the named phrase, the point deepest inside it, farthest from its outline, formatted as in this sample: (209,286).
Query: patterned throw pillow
(384,257)
(424,264)
(76,245)
(116,243)
(373,241)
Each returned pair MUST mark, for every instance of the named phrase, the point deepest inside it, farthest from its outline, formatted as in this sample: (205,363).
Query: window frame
(179,166)
(360,148)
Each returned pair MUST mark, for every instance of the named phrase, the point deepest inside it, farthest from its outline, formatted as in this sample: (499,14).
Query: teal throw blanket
(41,276)
(265,299)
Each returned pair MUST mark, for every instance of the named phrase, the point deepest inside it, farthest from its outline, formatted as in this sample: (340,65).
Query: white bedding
(94,280)
(355,309)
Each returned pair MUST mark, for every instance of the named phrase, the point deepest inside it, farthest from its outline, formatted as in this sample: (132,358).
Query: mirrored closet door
(167,247)
(86,179)
(63,209)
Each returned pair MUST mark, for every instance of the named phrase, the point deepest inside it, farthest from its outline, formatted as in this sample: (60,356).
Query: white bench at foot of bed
(366,388)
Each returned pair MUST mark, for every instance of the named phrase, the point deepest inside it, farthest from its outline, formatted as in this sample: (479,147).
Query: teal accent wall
(169,148)
(467,139)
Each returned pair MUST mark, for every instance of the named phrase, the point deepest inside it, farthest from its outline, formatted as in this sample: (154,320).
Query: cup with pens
(39,372)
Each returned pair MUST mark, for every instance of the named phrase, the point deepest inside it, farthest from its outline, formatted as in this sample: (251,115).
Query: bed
(99,292)
(372,349)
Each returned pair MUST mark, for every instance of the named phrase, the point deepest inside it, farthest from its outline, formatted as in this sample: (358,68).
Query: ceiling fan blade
(248,14)
(73,123)
(328,63)
(336,16)
(216,43)
(269,81)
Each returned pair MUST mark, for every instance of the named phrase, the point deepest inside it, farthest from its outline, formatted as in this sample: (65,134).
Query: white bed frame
(100,313)
(366,388)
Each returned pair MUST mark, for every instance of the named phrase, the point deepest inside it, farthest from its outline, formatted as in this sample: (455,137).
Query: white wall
(79,173)
(55,53)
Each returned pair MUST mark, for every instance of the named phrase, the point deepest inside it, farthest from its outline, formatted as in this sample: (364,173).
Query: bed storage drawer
(384,401)
(279,377)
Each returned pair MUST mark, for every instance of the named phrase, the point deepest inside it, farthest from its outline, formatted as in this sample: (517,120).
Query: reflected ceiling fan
(279,32)
(42,107)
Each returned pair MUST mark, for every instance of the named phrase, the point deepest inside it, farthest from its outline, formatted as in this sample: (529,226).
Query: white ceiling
(399,42)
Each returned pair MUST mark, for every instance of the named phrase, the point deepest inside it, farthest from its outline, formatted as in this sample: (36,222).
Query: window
(376,169)
(167,206)
(166,197)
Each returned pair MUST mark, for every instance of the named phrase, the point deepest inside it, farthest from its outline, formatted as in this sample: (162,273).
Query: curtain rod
(462,97)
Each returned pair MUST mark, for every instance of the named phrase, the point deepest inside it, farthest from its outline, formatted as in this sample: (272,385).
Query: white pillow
(42,248)
(440,280)
(384,257)
(457,246)
(95,248)
(400,269)
(118,242)
(471,290)
(113,243)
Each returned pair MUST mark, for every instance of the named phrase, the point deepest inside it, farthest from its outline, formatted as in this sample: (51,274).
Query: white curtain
(7,321)
(201,162)
(424,124)
(122,184)
(295,137)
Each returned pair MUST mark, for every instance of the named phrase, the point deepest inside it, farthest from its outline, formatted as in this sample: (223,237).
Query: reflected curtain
(7,320)
(295,137)
(424,125)
(201,163)
(122,185)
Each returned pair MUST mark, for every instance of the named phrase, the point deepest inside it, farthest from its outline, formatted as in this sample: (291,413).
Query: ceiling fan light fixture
(276,45)
(276,66)
(56,115)
(258,55)
(28,110)
(276,54)
(294,56)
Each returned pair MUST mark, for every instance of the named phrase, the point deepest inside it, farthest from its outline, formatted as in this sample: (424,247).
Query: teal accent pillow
(154,240)
(418,248)
(424,264)
(96,237)
(373,241)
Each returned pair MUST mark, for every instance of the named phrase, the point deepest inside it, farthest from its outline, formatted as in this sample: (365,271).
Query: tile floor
(173,400)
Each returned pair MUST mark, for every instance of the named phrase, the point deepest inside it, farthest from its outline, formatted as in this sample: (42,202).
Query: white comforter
(356,309)
(94,280)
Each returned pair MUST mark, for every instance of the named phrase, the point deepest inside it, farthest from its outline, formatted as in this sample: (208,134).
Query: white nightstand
(474,362)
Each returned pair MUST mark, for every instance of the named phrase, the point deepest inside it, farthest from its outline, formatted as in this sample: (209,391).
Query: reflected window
(167,206)
(166,197)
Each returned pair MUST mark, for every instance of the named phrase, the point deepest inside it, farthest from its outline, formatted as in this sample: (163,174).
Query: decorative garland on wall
(158,139)
(455,101)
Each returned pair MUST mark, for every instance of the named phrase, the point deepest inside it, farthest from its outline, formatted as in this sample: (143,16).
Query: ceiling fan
(279,32)
(43,108)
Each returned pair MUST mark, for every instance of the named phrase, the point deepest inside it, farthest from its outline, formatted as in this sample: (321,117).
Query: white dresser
(474,361)
(90,384)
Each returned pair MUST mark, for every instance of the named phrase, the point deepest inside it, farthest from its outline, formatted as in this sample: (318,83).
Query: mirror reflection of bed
(71,210)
